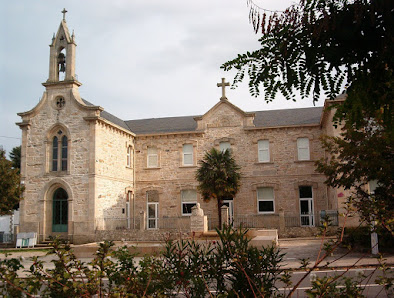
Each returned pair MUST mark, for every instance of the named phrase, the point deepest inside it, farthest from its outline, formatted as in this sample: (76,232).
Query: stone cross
(64,13)
(223,84)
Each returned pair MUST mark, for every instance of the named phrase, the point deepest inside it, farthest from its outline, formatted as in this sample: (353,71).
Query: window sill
(57,173)
(264,163)
(129,167)
(265,213)
(307,161)
(152,168)
(191,166)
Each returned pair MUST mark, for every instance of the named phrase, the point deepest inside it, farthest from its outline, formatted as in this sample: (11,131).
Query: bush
(230,267)
(359,238)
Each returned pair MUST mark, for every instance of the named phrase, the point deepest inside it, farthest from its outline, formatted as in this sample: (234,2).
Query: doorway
(60,211)
(230,204)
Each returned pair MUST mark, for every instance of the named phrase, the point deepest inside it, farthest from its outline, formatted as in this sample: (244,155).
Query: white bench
(26,239)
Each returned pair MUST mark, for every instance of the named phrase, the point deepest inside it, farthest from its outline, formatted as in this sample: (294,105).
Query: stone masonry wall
(113,177)
(40,180)
(284,172)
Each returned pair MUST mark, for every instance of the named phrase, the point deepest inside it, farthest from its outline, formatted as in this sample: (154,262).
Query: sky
(135,58)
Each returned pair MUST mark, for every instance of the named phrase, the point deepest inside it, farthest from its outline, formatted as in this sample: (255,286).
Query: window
(59,152)
(187,154)
(64,153)
(264,150)
(224,146)
(372,185)
(303,149)
(129,155)
(189,200)
(152,157)
(265,200)
(55,151)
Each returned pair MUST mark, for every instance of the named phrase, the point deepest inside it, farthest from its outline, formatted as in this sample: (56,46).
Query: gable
(224,114)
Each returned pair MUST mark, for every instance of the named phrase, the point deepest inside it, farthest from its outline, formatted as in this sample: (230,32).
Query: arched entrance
(60,211)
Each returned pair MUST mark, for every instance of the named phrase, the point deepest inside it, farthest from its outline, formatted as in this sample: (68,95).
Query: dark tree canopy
(10,187)
(15,156)
(218,177)
(318,46)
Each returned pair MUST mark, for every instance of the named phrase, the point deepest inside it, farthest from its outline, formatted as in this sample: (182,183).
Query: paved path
(295,249)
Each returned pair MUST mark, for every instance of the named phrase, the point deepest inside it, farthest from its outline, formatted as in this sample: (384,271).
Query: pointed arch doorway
(60,211)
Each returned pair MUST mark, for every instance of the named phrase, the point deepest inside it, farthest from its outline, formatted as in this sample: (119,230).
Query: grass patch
(6,251)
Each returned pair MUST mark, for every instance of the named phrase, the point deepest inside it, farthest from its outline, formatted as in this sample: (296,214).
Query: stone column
(198,221)
(224,211)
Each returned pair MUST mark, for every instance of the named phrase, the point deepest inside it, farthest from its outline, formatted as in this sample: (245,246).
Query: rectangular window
(129,156)
(187,155)
(264,150)
(265,200)
(189,200)
(303,149)
(372,185)
(224,146)
(152,158)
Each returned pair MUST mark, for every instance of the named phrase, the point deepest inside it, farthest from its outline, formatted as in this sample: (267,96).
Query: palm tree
(218,177)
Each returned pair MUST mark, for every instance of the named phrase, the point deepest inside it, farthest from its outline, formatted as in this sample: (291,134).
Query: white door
(153,214)
(230,204)
(306,208)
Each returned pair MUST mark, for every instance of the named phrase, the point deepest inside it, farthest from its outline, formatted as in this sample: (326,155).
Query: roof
(162,125)
(289,117)
(273,118)
(111,118)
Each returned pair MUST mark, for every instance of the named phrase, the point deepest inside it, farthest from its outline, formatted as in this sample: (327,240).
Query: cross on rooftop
(64,13)
(223,84)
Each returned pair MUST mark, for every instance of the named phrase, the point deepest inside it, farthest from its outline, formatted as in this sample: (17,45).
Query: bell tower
(62,57)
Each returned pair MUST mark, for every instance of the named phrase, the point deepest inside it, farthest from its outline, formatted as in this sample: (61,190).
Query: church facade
(86,171)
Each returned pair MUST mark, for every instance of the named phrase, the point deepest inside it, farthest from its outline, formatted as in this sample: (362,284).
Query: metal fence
(166,223)
(6,238)
(316,220)
(260,221)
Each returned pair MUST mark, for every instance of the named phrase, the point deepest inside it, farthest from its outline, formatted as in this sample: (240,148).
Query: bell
(62,67)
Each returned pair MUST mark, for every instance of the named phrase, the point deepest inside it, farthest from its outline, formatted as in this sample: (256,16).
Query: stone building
(90,175)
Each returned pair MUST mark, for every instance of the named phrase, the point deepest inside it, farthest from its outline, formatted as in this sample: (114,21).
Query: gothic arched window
(64,153)
(60,152)
(55,153)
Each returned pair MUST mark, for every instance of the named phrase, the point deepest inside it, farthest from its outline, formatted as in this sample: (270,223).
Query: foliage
(10,188)
(229,266)
(334,47)
(359,239)
(359,157)
(317,46)
(15,156)
(218,177)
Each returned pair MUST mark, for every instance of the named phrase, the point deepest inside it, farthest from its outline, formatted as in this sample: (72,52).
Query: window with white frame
(129,156)
(264,150)
(152,158)
(303,149)
(189,200)
(223,146)
(265,200)
(187,155)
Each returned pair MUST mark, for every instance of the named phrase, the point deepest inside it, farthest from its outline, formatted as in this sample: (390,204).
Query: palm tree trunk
(220,204)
